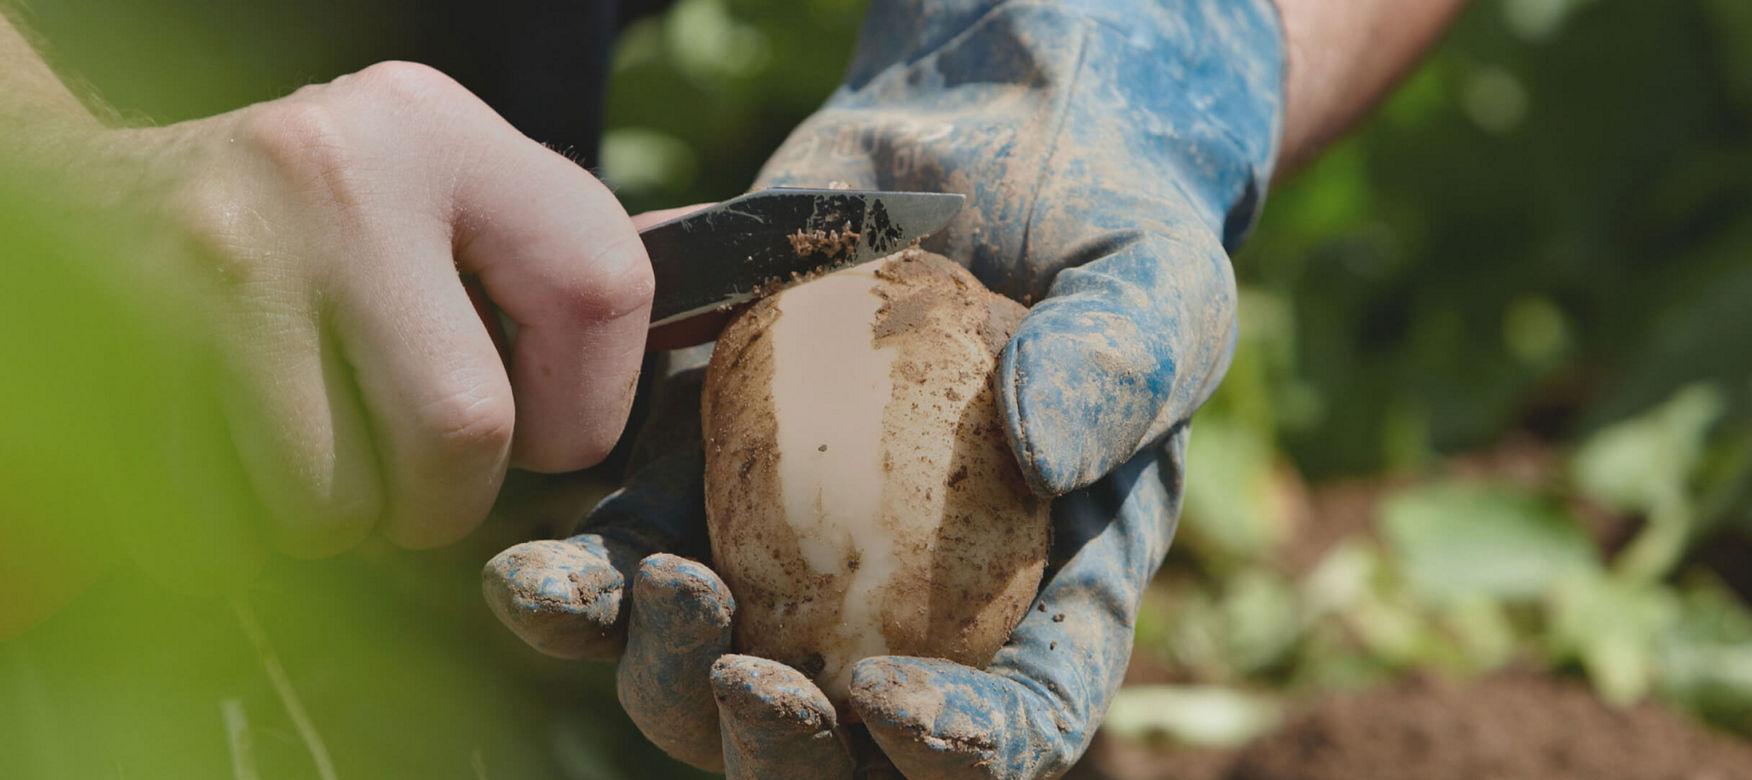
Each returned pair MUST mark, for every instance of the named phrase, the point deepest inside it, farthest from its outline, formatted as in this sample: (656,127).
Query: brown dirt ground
(1515,725)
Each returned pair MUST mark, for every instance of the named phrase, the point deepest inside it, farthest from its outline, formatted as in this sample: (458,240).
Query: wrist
(83,166)
(124,185)
(1344,55)
(31,95)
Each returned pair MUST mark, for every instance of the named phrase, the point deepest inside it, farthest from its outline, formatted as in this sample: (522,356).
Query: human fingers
(265,242)
(557,253)
(360,381)
(287,394)
(441,410)
(776,724)
(297,425)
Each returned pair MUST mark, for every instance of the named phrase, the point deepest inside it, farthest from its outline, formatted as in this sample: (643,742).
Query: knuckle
(466,425)
(312,511)
(405,82)
(305,143)
(615,281)
(216,232)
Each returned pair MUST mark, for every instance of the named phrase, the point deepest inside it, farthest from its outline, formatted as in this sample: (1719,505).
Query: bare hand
(336,227)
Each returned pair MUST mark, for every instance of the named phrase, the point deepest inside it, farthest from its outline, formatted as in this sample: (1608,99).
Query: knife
(747,246)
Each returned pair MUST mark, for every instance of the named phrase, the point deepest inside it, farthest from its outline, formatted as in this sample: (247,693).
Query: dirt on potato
(994,535)
(969,538)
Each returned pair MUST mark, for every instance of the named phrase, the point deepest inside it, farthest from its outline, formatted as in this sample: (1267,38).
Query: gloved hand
(1112,152)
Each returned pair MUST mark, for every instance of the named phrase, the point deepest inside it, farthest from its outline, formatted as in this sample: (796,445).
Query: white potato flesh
(861,495)
(833,387)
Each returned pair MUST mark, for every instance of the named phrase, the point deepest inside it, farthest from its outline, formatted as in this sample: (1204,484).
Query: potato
(861,496)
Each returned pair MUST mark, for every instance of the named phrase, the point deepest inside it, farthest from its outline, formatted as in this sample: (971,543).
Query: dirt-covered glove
(1112,151)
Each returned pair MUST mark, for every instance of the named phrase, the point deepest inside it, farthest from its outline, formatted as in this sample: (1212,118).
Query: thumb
(1121,350)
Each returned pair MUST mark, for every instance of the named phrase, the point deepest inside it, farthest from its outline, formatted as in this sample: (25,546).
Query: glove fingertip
(775,722)
(680,623)
(753,690)
(931,718)
(670,589)
(1079,390)
(558,596)
(886,690)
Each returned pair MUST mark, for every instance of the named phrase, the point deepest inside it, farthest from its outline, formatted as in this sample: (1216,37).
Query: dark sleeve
(542,64)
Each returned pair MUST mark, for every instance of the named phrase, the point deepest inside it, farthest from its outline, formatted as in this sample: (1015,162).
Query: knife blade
(746,246)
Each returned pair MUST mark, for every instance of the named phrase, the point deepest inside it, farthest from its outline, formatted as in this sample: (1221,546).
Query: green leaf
(1643,464)
(1454,541)
(1192,715)
(1483,633)
(1259,610)
(1610,625)
(1341,580)
(1232,506)
(1704,663)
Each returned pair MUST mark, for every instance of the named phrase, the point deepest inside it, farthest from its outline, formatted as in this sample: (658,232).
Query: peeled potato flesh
(861,495)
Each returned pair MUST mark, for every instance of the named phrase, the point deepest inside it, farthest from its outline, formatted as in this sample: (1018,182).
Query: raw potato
(861,495)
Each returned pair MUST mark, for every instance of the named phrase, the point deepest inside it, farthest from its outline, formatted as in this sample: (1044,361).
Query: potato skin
(968,538)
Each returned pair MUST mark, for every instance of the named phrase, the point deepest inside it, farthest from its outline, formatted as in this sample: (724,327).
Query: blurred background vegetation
(1492,406)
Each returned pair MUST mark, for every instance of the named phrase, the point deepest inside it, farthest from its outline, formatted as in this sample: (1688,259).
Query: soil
(833,243)
(1513,725)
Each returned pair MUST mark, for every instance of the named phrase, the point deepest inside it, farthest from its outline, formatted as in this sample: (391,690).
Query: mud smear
(969,582)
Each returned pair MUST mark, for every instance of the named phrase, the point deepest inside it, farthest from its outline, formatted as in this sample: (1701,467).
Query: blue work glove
(1113,151)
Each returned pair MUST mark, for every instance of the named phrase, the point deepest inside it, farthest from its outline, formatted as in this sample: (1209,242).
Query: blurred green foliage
(1545,229)
(702,94)
(1539,244)
(174,647)
(1542,238)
